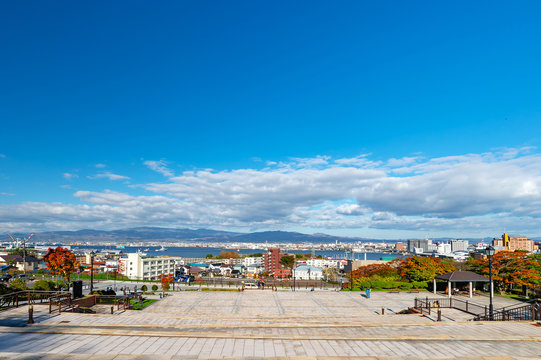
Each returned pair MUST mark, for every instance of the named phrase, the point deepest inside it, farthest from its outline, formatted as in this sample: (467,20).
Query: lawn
(137,306)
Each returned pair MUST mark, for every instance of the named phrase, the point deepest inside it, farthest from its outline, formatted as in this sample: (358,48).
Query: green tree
(209,256)
(144,288)
(18,285)
(43,285)
(288,261)
(154,287)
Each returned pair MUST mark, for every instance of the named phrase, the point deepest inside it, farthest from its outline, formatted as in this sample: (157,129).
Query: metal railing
(426,305)
(530,311)
(20,298)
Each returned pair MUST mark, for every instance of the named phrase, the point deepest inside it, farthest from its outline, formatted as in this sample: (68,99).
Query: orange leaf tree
(509,269)
(61,261)
(166,280)
(384,270)
(417,268)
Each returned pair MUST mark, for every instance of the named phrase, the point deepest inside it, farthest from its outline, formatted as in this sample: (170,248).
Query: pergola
(460,276)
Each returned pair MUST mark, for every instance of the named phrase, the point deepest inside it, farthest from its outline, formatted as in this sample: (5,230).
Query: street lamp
(91,272)
(294,286)
(490,253)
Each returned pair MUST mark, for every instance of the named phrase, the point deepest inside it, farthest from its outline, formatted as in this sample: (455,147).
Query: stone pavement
(266,324)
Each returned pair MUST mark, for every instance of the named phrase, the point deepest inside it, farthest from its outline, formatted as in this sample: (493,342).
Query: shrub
(406,286)
(18,285)
(4,289)
(61,285)
(144,288)
(154,287)
(419,284)
(43,285)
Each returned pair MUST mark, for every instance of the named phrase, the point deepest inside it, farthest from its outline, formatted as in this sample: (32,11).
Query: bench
(394,292)
(413,291)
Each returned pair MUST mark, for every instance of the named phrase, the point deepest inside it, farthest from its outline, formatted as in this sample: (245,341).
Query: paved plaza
(266,324)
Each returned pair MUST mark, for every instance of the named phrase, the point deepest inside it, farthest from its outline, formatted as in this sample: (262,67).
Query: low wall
(87,301)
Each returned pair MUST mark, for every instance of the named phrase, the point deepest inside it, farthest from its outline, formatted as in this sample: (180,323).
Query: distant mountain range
(153,234)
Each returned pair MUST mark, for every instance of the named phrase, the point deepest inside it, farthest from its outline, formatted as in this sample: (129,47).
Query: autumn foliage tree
(166,280)
(422,268)
(411,272)
(509,269)
(61,261)
(228,255)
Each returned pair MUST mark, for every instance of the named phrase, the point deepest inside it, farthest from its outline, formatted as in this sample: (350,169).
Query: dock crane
(16,243)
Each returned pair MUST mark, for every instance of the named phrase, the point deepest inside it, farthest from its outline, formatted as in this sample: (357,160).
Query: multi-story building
(423,246)
(459,245)
(271,262)
(149,268)
(514,242)
(443,248)
(327,263)
(252,260)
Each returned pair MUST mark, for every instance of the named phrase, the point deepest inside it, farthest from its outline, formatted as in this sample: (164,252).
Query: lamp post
(91,272)
(294,285)
(490,253)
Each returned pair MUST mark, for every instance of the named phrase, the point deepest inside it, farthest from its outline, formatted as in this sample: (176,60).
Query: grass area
(146,302)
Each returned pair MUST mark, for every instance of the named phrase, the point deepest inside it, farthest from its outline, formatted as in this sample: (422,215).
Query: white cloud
(101,166)
(475,193)
(159,166)
(108,175)
(70,176)
(6,194)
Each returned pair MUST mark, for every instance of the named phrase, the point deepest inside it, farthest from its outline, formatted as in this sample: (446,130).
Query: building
(327,263)
(252,260)
(30,263)
(271,262)
(514,242)
(443,248)
(421,246)
(148,268)
(459,245)
(307,272)
(400,246)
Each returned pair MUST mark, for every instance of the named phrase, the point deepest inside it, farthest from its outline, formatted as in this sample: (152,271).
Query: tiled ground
(257,324)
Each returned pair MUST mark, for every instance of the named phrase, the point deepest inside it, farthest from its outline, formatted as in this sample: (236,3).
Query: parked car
(5,277)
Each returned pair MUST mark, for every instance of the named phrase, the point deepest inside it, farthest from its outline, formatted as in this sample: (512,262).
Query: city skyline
(354,120)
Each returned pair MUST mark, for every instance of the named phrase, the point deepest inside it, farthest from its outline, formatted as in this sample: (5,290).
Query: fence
(20,298)
(425,305)
(60,302)
(530,312)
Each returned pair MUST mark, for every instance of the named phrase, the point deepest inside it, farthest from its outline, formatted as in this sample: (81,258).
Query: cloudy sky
(385,120)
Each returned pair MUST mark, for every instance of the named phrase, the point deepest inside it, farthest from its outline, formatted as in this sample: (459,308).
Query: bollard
(112,309)
(382,310)
(439,314)
(428,305)
(30,314)
(59,307)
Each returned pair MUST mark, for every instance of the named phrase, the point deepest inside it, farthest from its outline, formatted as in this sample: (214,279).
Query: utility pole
(91,272)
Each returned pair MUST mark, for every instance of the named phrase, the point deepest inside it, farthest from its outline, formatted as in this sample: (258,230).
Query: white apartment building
(247,261)
(148,268)
(444,248)
(326,263)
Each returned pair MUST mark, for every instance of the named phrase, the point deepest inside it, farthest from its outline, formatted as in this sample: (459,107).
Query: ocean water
(203,251)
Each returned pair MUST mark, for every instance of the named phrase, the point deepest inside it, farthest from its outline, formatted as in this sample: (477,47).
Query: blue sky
(205,114)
